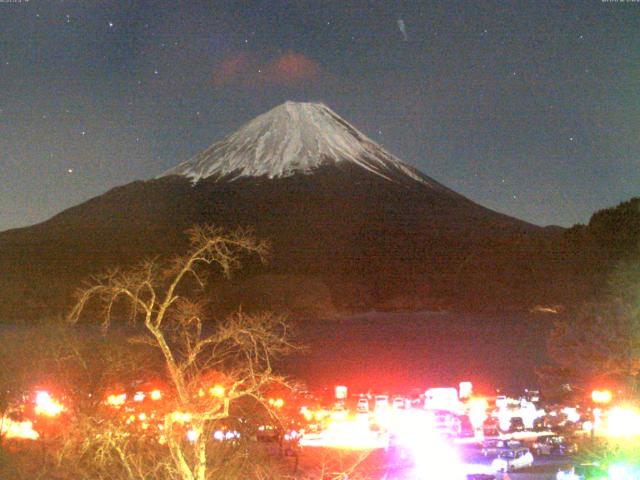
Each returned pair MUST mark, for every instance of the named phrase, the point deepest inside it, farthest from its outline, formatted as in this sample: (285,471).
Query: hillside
(352,228)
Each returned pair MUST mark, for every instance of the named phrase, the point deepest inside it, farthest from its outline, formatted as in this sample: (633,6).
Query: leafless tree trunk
(236,351)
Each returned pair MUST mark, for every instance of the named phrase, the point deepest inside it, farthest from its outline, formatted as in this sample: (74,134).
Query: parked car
(516,425)
(382,402)
(512,459)
(399,402)
(554,445)
(363,405)
(491,447)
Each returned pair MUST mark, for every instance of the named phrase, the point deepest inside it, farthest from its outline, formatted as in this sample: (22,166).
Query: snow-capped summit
(293,138)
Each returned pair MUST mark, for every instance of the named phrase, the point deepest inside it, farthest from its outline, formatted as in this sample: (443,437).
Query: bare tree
(209,366)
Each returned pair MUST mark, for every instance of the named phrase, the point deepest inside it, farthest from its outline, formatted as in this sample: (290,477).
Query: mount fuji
(352,227)
(295,138)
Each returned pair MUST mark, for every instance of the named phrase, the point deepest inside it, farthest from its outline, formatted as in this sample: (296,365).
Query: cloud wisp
(249,70)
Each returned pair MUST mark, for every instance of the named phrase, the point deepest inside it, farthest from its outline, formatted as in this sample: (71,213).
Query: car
(363,405)
(491,447)
(553,445)
(512,459)
(516,424)
(382,402)
(399,402)
(490,428)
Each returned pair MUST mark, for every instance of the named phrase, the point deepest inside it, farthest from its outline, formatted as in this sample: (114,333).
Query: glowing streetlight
(217,391)
(601,396)
(46,405)
(623,421)
(46,408)
(116,400)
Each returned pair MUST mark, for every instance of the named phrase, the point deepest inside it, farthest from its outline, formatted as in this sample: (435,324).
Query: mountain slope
(338,209)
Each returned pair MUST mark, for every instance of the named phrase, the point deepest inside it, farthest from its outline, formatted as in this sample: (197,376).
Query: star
(83,133)
(110,24)
(70,170)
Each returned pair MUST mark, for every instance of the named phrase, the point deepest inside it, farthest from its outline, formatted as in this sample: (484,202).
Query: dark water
(396,352)
(400,351)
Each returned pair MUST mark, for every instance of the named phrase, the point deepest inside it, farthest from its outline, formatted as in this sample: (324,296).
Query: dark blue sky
(529,108)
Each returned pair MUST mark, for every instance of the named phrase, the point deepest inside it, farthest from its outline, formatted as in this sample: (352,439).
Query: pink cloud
(243,69)
(292,68)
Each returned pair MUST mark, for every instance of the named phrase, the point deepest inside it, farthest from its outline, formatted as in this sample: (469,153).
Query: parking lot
(378,465)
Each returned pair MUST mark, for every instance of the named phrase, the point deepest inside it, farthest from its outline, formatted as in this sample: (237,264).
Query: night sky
(529,108)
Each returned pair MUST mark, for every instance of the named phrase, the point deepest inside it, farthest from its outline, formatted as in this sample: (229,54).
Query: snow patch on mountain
(293,138)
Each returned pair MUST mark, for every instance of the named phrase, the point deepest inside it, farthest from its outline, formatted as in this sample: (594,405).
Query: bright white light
(18,430)
(432,457)
(623,422)
(572,414)
(46,405)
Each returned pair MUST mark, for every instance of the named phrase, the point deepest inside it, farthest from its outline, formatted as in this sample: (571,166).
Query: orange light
(155,395)
(278,403)
(47,406)
(116,400)
(601,396)
(217,391)
(477,408)
(181,417)
(18,430)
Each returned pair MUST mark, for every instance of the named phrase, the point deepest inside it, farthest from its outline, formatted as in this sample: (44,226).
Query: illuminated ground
(376,465)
